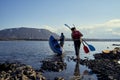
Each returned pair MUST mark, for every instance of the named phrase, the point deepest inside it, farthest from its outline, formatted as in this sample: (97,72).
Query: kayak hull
(54,45)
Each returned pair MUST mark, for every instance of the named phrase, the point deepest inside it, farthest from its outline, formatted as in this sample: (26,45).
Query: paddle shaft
(67,26)
(85,42)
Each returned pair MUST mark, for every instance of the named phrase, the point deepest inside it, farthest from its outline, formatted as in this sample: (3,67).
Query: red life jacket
(76,34)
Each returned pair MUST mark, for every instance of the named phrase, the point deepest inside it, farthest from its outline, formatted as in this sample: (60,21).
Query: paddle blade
(92,48)
(67,26)
(86,49)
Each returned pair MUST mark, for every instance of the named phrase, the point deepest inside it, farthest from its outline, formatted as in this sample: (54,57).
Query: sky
(94,18)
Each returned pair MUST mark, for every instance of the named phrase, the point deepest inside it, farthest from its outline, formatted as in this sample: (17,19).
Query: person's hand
(80,39)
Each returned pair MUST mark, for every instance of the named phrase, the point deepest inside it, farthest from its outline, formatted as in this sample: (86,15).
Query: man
(76,37)
(62,38)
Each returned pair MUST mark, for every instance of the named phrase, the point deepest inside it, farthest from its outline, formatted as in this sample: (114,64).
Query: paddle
(92,48)
(67,26)
(84,47)
(86,50)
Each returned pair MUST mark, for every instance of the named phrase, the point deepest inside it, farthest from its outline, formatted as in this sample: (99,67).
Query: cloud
(108,29)
(113,23)
(116,33)
(112,26)
(58,30)
(52,29)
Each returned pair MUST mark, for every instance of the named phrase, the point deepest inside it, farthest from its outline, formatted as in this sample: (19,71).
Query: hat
(73,28)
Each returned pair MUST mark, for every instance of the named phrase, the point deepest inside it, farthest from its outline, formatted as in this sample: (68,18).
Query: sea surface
(33,52)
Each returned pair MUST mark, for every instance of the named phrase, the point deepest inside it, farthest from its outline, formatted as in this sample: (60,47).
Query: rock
(55,66)
(105,69)
(19,72)
(59,78)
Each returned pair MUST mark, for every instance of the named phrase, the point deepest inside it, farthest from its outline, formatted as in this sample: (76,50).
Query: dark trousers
(77,44)
(61,43)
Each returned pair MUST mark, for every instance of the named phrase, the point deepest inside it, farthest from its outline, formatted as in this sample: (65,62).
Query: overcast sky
(94,18)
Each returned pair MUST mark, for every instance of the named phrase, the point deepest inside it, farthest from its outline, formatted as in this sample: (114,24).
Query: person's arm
(80,39)
(81,35)
(72,36)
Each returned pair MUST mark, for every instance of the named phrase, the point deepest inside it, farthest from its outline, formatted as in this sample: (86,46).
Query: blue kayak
(54,45)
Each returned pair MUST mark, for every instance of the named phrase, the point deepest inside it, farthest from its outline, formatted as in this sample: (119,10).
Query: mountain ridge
(26,34)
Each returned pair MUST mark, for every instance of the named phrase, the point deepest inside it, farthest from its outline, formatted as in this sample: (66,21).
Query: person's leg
(75,46)
(61,44)
(76,49)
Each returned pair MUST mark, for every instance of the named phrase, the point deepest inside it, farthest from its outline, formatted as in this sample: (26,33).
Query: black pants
(61,43)
(77,44)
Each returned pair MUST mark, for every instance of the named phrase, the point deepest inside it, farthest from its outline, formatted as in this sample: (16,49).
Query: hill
(23,33)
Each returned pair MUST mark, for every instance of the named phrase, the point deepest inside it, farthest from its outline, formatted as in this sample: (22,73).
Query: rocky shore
(17,71)
(105,69)
(105,65)
(109,54)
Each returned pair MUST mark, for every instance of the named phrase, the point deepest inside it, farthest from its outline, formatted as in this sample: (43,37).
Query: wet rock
(105,69)
(55,66)
(59,78)
(14,71)
(111,54)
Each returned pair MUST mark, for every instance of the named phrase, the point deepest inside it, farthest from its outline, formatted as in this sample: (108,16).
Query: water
(32,52)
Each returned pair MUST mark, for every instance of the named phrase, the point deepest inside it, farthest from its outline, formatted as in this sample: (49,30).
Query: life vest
(76,34)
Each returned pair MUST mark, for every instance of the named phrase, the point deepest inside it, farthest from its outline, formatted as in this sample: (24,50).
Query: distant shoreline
(65,39)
